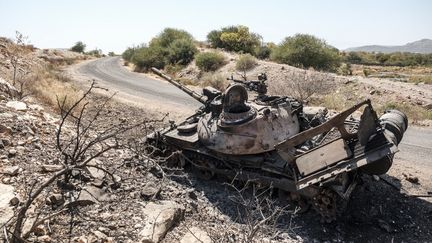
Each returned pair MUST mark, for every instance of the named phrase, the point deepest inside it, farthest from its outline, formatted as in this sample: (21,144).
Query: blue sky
(113,25)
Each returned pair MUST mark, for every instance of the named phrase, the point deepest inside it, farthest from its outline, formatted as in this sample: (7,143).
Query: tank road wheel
(202,168)
(293,201)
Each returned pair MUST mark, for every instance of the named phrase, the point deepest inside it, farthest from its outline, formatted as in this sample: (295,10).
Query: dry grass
(214,80)
(427,79)
(333,101)
(414,113)
(47,83)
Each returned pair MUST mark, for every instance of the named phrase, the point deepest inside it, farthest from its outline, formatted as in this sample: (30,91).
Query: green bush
(171,46)
(209,61)
(181,51)
(146,57)
(78,47)
(345,69)
(111,54)
(96,52)
(246,62)
(234,38)
(263,52)
(128,54)
(307,51)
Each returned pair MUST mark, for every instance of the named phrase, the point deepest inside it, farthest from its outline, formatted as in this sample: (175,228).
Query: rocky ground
(141,202)
(124,196)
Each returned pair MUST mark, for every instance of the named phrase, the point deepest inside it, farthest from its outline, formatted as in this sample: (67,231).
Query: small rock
(150,191)
(6,180)
(100,235)
(36,107)
(428,106)
(44,238)
(94,193)
(20,149)
(12,152)
(11,170)
(55,200)
(17,105)
(21,143)
(98,183)
(6,195)
(372,92)
(376,178)
(39,230)
(104,230)
(196,235)
(14,201)
(51,168)
(6,142)
(5,130)
(192,195)
(138,226)
(160,218)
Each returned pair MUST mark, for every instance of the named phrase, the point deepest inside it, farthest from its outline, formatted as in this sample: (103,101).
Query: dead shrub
(302,85)
(214,80)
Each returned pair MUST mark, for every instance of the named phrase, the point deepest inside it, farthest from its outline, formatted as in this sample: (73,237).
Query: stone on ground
(6,211)
(160,217)
(196,235)
(17,105)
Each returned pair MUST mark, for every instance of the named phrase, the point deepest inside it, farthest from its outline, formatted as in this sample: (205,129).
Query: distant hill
(423,46)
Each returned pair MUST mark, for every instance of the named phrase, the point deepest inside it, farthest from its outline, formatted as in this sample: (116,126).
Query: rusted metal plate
(323,157)
(186,140)
(349,165)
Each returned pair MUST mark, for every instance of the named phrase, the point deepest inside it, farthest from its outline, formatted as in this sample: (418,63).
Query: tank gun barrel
(200,98)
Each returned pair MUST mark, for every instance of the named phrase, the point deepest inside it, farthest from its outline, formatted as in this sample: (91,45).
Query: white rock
(10,170)
(196,235)
(160,217)
(6,212)
(17,105)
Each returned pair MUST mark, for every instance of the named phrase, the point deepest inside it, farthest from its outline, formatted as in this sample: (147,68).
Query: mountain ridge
(423,46)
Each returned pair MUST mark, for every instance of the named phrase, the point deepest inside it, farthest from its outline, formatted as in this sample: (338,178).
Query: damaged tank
(311,157)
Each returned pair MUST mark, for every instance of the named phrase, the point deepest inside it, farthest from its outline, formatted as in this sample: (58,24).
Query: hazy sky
(113,25)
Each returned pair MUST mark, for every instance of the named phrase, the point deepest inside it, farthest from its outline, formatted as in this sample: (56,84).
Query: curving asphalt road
(416,146)
(110,72)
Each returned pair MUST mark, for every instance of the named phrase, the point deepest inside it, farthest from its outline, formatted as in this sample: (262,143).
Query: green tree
(145,57)
(78,47)
(168,36)
(181,51)
(171,46)
(235,38)
(307,51)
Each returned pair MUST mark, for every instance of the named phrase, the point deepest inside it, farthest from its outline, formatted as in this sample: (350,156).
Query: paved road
(416,146)
(109,71)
